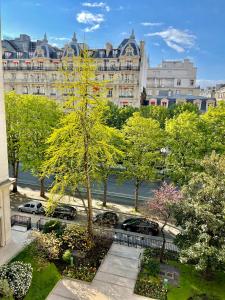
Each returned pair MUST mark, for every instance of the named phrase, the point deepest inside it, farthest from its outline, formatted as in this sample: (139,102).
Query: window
(178,82)
(177,92)
(110,76)
(110,91)
(25,90)
(192,82)
(40,65)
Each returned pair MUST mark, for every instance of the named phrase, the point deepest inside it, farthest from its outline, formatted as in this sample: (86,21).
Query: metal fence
(141,240)
(21,220)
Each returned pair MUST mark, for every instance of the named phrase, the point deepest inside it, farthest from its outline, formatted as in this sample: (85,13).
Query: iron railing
(21,220)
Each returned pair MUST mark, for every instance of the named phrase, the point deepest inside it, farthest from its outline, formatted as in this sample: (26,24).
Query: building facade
(220,92)
(5,226)
(172,78)
(33,67)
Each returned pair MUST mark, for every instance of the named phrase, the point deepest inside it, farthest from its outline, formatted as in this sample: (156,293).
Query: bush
(84,272)
(5,290)
(203,297)
(151,267)
(54,225)
(18,276)
(48,244)
(67,256)
(76,238)
(150,287)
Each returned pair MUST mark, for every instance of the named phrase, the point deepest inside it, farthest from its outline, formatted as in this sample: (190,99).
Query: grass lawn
(192,283)
(45,274)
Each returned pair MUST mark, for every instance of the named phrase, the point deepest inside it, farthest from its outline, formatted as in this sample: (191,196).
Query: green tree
(143,141)
(116,116)
(76,148)
(214,120)
(186,143)
(109,160)
(159,113)
(178,109)
(40,115)
(201,217)
(13,126)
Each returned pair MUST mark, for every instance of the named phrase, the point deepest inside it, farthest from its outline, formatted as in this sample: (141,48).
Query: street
(122,193)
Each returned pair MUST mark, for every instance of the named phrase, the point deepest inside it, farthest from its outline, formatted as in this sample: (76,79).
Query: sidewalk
(18,241)
(115,279)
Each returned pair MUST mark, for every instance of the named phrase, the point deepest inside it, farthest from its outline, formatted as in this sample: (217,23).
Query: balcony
(29,68)
(126,96)
(122,68)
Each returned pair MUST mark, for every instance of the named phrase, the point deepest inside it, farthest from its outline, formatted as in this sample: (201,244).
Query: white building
(5,226)
(172,78)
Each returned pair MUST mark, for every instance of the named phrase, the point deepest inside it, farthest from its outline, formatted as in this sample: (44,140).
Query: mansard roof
(23,48)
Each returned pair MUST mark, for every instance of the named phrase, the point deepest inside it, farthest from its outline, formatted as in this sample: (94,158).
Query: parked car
(106,218)
(33,207)
(64,211)
(141,225)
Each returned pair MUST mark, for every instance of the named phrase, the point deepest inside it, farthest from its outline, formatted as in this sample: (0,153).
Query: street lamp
(164,151)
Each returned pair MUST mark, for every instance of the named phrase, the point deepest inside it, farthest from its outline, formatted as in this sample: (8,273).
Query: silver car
(32,207)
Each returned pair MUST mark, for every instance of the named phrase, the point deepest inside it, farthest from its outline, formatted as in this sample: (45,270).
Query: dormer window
(19,54)
(8,54)
(129,51)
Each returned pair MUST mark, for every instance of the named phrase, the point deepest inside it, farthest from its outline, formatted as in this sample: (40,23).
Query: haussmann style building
(32,67)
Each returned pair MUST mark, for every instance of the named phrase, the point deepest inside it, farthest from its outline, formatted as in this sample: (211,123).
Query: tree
(109,160)
(162,205)
(40,115)
(159,113)
(143,141)
(13,126)
(75,148)
(116,117)
(187,145)
(178,109)
(214,120)
(201,217)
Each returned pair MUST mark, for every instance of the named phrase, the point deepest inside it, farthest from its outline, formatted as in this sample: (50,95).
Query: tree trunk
(105,182)
(137,185)
(82,199)
(15,166)
(42,187)
(90,212)
(161,258)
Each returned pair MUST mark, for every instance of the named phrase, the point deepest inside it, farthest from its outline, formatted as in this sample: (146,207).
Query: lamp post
(164,151)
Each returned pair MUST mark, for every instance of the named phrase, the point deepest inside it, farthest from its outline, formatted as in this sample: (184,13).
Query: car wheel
(33,212)
(65,218)
(128,229)
(19,209)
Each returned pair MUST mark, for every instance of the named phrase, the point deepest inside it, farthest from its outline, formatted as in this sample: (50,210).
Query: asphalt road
(121,193)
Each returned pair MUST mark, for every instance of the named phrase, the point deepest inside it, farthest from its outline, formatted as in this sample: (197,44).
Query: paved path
(115,279)
(18,241)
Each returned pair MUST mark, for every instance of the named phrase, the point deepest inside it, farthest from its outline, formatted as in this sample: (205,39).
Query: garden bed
(189,284)
(54,254)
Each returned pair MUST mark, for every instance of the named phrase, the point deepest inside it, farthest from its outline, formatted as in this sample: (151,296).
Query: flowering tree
(162,206)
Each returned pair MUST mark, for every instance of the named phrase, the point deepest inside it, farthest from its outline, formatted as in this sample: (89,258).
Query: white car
(32,207)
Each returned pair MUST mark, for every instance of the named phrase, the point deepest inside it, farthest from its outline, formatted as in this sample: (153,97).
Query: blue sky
(172,29)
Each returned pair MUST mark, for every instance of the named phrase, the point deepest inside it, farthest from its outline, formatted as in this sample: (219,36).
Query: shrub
(67,256)
(54,225)
(84,272)
(150,287)
(203,297)
(19,276)
(76,238)
(48,244)
(5,290)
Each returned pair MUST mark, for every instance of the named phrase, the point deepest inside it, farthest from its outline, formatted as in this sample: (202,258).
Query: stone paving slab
(18,241)
(67,289)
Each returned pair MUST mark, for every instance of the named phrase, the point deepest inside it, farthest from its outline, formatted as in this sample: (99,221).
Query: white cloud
(92,28)
(124,33)
(176,39)
(151,24)
(97,4)
(89,18)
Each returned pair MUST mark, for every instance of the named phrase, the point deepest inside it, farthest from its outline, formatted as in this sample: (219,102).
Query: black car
(106,218)
(64,211)
(141,225)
